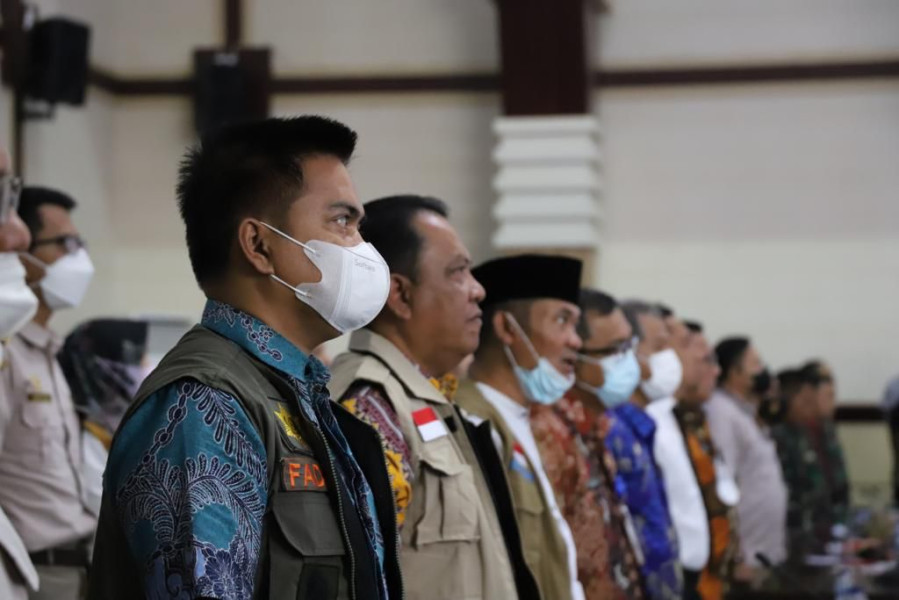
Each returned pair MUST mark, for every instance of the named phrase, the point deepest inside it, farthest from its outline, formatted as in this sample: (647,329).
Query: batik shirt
(630,440)
(369,403)
(582,474)
(815,500)
(190,486)
(722,518)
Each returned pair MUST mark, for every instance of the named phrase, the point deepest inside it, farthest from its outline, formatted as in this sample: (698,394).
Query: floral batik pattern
(630,440)
(581,472)
(309,378)
(369,403)
(722,518)
(191,505)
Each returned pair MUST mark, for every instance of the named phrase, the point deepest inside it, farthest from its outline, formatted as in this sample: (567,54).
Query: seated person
(103,361)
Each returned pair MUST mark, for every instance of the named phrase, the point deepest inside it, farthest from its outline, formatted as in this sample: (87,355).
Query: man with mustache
(457,541)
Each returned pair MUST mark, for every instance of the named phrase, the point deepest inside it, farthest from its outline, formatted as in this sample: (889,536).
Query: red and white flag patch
(430,426)
(520,462)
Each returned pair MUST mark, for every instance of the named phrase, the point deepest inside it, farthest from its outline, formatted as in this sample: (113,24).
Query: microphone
(785,576)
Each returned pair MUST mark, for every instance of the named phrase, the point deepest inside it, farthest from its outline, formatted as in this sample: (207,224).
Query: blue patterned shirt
(630,439)
(190,484)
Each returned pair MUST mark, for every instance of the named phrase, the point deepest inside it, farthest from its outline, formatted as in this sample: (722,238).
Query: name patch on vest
(35,391)
(429,425)
(302,474)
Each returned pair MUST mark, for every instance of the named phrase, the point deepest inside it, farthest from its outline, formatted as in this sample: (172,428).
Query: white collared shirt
(518,421)
(751,453)
(685,503)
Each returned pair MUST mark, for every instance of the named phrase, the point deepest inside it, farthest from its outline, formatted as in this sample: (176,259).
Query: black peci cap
(530,276)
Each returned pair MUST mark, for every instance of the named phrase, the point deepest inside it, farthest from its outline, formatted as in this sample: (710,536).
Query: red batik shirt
(581,472)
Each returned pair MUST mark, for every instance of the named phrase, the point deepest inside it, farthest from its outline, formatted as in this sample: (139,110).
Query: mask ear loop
(38,263)
(596,362)
(287,285)
(298,243)
(288,238)
(34,260)
(527,341)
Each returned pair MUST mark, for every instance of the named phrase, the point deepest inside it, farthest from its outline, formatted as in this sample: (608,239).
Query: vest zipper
(346,536)
(396,529)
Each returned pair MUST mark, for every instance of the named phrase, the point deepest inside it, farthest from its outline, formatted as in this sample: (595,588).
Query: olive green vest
(304,551)
(452,541)
(544,548)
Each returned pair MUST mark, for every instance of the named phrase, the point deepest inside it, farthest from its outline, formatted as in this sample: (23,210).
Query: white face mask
(17,302)
(667,373)
(543,384)
(66,281)
(354,286)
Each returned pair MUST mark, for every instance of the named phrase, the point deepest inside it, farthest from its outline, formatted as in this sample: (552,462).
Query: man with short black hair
(747,448)
(459,543)
(40,461)
(575,438)
(677,423)
(17,305)
(233,476)
(720,493)
(631,440)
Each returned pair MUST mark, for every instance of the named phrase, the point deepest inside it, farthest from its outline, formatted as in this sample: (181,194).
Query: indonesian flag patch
(520,462)
(430,427)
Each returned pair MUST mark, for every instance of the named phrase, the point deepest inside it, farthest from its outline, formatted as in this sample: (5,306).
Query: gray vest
(308,540)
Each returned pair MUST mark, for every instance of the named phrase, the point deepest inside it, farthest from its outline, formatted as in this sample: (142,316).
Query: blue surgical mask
(543,384)
(621,374)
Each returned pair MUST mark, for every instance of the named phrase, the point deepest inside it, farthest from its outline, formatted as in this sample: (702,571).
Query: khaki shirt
(40,445)
(17,574)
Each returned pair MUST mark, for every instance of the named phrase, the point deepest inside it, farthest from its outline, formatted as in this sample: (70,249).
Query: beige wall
(765,209)
(692,32)
(769,210)
(869,462)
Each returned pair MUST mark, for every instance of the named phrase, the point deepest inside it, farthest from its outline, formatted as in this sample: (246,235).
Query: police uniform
(40,464)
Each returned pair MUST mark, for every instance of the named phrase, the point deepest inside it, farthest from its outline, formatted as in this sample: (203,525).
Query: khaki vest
(544,548)
(452,542)
(307,546)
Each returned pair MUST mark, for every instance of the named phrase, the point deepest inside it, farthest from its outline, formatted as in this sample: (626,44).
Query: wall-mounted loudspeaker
(57,61)
(230,86)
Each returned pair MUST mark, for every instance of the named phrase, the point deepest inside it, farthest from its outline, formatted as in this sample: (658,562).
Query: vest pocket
(306,548)
(451,501)
(531,514)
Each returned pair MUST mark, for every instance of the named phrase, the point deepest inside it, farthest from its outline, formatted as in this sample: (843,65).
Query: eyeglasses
(71,243)
(10,190)
(617,351)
